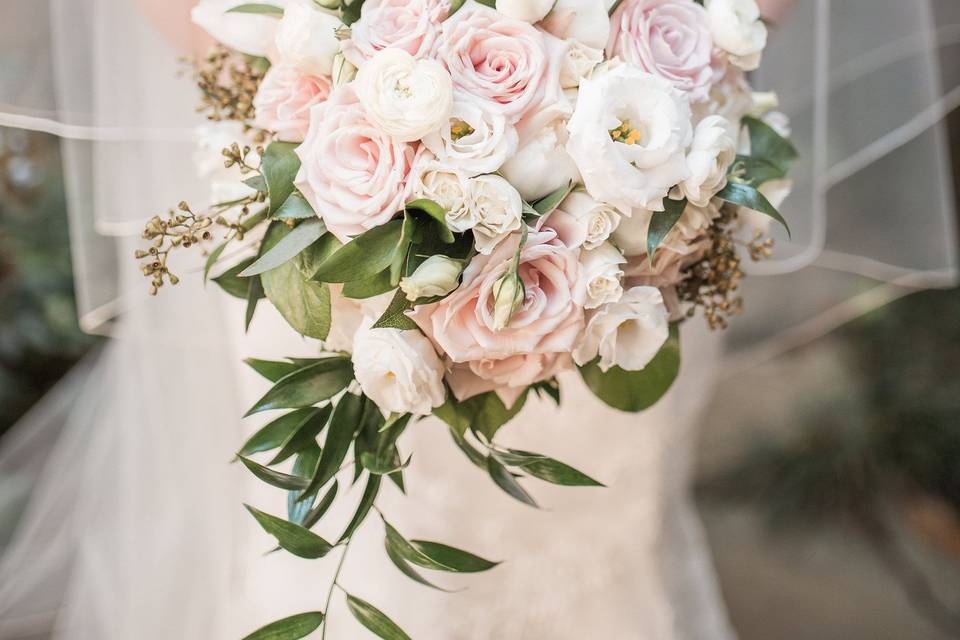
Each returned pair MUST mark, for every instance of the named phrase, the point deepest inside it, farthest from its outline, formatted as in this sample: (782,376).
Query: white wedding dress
(134,526)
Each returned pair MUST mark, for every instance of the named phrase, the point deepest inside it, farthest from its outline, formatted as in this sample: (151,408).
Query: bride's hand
(172,19)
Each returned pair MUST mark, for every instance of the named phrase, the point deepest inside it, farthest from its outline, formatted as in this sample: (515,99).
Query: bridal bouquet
(460,200)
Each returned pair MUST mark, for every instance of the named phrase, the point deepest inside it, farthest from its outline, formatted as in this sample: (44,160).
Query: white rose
(306,38)
(450,189)
(737,29)
(584,221)
(542,164)
(398,370)
(405,97)
(712,153)
(627,333)
(246,32)
(499,211)
(585,21)
(579,61)
(476,140)
(526,10)
(628,136)
(602,273)
(436,276)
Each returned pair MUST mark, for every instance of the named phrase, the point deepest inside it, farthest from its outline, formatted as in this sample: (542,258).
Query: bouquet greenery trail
(458,201)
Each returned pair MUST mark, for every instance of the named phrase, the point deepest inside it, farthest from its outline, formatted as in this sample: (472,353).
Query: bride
(135,527)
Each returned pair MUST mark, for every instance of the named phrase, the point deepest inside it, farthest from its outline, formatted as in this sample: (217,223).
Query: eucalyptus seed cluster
(229,83)
(180,228)
(237,156)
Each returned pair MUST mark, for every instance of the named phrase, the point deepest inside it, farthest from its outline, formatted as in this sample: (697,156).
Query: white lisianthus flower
(436,276)
(405,97)
(737,29)
(627,333)
(398,370)
(602,274)
(476,140)
(499,211)
(585,21)
(248,33)
(579,61)
(526,10)
(628,136)
(712,153)
(449,188)
(542,164)
(306,38)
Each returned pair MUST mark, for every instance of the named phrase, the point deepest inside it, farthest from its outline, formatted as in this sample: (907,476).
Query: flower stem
(333,583)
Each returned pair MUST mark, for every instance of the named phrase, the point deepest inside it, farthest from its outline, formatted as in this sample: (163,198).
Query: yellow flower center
(459,129)
(627,134)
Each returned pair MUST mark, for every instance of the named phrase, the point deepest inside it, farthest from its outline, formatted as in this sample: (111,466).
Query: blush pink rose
(284,99)
(668,38)
(354,176)
(542,331)
(509,66)
(411,25)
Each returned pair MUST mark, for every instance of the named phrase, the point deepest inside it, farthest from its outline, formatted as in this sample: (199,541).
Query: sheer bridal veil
(127,522)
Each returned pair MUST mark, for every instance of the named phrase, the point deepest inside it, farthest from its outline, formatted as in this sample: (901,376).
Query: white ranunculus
(449,188)
(712,153)
(542,164)
(585,21)
(306,38)
(585,222)
(436,276)
(737,29)
(498,208)
(579,61)
(476,139)
(246,32)
(628,136)
(602,274)
(405,97)
(398,370)
(627,333)
(526,10)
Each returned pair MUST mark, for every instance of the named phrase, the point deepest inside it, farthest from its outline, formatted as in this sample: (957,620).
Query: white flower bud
(437,276)
(343,71)
(508,294)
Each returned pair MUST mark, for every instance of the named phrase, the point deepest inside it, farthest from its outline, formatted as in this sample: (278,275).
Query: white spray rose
(627,333)
(526,10)
(585,21)
(436,276)
(737,29)
(712,153)
(405,97)
(602,273)
(450,189)
(628,136)
(542,164)
(398,370)
(306,38)
(579,61)
(246,32)
(583,221)
(476,139)
(499,211)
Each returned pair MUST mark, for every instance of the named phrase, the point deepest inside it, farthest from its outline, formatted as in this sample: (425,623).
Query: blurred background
(828,477)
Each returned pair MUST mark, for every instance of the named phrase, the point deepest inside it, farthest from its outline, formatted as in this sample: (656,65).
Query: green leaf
(546,468)
(258,8)
(292,628)
(406,569)
(408,230)
(308,386)
(379,466)
(455,6)
(272,370)
(662,222)
(505,480)
(343,426)
(769,145)
(395,317)
(304,304)
(636,390)
(550,387)
(484,413)
(304,466)
(295,207)
(304,436)
(322,506)
(256,182)
(231,282)
(454,559)
(437,213)
(292,537)
(552,200)
(279,168)
(276,432)
(364,256)
(275,478)
(310,259)
(371,617)
(213,257)
(287,247)
(403,548)
(368,287)
(753,171)
(363,509)
(254,295)
(751,198)
(472,454)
